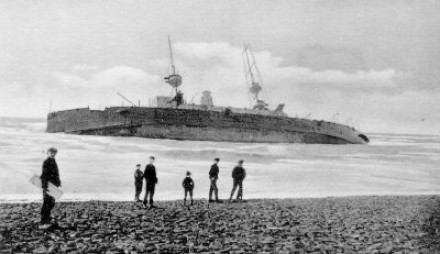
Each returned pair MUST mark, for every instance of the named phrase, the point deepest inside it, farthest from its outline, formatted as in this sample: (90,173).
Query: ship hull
(201,125)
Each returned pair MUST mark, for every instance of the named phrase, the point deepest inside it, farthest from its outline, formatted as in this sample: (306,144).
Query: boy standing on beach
(138,182)
(213,177)
(238,174)
(151,181)
(50,174)
(188,186)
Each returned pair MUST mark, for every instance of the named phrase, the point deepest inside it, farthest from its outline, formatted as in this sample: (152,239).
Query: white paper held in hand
(52,190)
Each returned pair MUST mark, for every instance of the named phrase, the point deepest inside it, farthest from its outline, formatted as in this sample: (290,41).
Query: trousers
(149,193)
(138,190)
(48,205)
(213,189)
(237,183)
(190,192)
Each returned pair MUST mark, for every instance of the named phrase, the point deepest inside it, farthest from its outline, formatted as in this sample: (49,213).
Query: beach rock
(338,225)
(40,250)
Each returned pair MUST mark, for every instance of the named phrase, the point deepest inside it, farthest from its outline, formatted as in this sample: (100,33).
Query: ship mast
(253,79)
(173,67)
(173,79)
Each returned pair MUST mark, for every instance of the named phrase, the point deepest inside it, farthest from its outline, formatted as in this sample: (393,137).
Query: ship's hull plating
(204,125)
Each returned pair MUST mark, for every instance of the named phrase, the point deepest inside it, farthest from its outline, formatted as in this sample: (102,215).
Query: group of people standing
(50,175)
(151,180)
(149,174)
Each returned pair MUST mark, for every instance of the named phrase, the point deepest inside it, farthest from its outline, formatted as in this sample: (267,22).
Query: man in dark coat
(213,177)
(50,174)
(151,181)
(138,182)
(238,175)
(188,186)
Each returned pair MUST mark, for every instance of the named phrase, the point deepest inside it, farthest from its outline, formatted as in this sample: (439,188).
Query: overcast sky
(375,62)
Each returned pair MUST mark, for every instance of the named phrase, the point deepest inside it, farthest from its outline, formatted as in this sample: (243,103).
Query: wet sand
(387,224)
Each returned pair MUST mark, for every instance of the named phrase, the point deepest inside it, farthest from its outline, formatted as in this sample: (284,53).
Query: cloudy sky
(375,62)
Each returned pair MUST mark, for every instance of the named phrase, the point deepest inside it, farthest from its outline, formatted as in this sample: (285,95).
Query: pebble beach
(369,224)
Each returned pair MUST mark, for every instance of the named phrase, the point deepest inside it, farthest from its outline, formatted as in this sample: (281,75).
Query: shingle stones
(332,225)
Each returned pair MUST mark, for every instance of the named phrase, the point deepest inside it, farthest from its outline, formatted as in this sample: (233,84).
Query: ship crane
(253,79)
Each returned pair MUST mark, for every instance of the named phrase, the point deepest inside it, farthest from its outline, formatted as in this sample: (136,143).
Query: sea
(102,168)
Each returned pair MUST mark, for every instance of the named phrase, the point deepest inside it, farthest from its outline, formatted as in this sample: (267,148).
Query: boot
(145,204)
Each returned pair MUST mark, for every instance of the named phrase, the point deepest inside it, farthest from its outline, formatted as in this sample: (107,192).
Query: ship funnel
(206,99)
